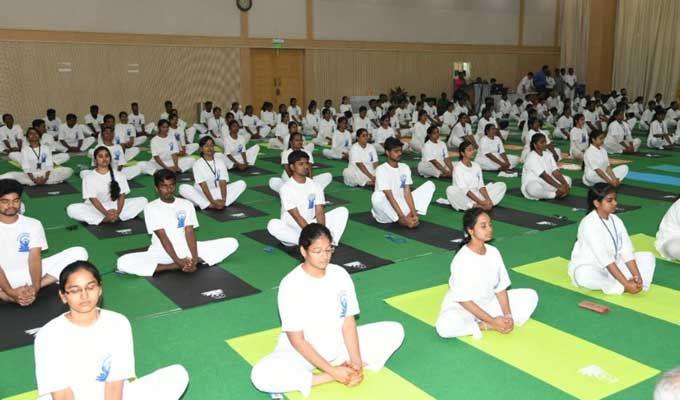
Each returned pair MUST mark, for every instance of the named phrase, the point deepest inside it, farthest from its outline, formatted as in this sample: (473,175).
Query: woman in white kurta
(210,189)
(435,160)
(37,164)
(564,125)
(327,128)
(668,236)
(297,143)
(658,136)
(341,142)
(468,189)
(88,352)
(419,132)
(541,178)
(118,156)
(478,298)
(461,132)
(104,191)
(619,138)
(317,306)
(535,127)
(578,138)
(491,154)
(603,257)
(596,166)
(363,160)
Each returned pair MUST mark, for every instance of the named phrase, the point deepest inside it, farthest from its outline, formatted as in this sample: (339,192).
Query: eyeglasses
(77,291)
(328,251)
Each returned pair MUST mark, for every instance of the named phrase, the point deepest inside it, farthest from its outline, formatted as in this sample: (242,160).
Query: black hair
(362,108)
(342,119)
(109,116)
(162,121)
(577,117)
(598,192)
(292,136)
(232,122)
(71,116)
(531,121)
(392,143)
(134,104)
(216,109)
(8,186)
(311,232)
(297,155)
(120,114)
(421,113)
(167,102)
(75,267)
(37,122)
(385,117)
(462,147)
(283,115)
(163,175)
(291,123)
(430,131)
(325,111)
(205,139)
(594,134)
(94,107)
(5,116)
(469,221)
(488,127)
(114,187)
(51,111)
(361,131)
(534,139)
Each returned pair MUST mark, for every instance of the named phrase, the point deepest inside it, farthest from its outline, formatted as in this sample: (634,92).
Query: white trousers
(251,157)
(538,189)
(527,149)
(352,176)
(616,148)
(488,165)
(285,370)
(151,166)
(456,321)
(557,133)
(57,175)
(576,154)
(335,154)
(322,180)
(591,178)
(669,248)
(454,141)
(460,201)
(87,143)
(428,170)
(196,195)
(384,213)
(275,144)
(144,263)
(596,277)
(88,213)
(190,148)
(52,266)
(287,231)
(129,173)
(416,145)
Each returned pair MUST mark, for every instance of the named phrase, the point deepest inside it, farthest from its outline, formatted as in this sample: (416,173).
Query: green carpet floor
(445,369)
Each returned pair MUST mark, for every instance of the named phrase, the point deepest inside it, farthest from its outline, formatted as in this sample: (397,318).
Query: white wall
(426,21)
(177,17)
(539,22)
(278,18)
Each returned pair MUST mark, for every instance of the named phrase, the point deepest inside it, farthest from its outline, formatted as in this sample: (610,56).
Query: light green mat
(24,396)
(14,163)
(642,242)
(576,366)
(659,302)
(382,385)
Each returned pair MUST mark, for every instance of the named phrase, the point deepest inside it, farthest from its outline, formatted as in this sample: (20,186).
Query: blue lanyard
(614,236)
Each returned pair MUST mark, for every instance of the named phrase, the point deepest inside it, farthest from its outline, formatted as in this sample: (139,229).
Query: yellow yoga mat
(24,396)
(659,302)
(642,242)
(571,364)
(381,385)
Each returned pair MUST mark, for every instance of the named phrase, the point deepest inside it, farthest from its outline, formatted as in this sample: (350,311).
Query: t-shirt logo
(177,136)
(172,146)
(117,140)
(181,218)
(116,155)
(402,181)
(444,153)
(370,157)
(217,175)
(311,199)
(43,158)
(105,369)
(240,148)
(342,302)
(24,242)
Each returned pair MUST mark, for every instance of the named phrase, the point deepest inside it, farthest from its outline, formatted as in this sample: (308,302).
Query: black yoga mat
(348,257)
(645,193)
(523,218)
(50,190)
(236,211)
(427,232)
(251,171)
(20,324)
(573,201)
(133,226)
(339,180)
(186,176)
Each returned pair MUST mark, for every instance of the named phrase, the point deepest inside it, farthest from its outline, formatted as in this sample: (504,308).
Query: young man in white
(165,153)
(217,126)
(205,116)
(570,82)
(94,121)
(171,222)
(23,271)
(236,155)
(668,237)
(393,201)
(137,120)
(302,202)
(297,143)
(126,136)
(72,135)
(49,141)
(295,111)
(52,122)
(317,305)
(363,160)
(11,137)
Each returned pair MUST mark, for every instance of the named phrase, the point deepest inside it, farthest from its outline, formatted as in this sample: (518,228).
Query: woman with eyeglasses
(317,305)
(88,353)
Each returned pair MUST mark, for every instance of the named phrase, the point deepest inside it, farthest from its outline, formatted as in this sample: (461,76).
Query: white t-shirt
(137,121)
(365,155)
(251,122)
(420,131)
(326,128)
(344,108)
(16,240)
(234,147)
(268,117)
(36,161)
(486,146)
(178,135)
(670,224)
(84,358)
(360,123)
(217,126)
(303,196)
(342,141)
(123,133)
(210,172)
(95,121)
(393,179)
(53,125)
(449,118)
(286,153)
(98,185)
(12,135)
(164,147)
(617,132)
(172,218)
(595,158)
(296,111)
(536,164)
(403,116)
(475,277)
(565,122)
(578,139)
(468,178)
(71,135)
(317,307)
(483,122)
(435,151)
(117,155)
(205,116)
(381,134)
(460,131)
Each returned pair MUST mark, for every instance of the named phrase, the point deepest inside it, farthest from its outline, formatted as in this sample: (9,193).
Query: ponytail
(114,188)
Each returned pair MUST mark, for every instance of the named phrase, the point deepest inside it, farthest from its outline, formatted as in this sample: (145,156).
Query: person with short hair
(37,164)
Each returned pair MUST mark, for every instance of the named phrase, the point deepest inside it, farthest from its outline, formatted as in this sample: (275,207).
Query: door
(277,75)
